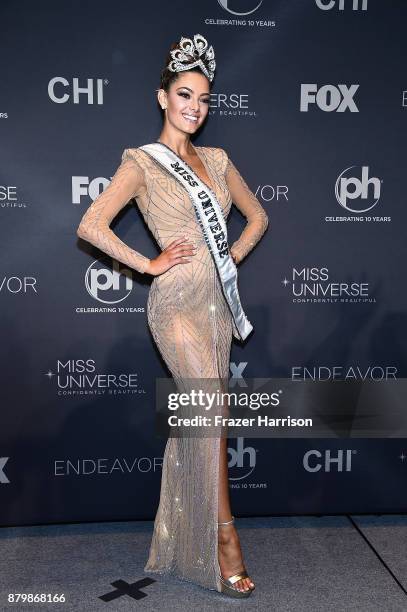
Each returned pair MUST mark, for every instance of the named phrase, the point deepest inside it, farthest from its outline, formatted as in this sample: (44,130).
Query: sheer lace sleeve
(249,206)
(127,183)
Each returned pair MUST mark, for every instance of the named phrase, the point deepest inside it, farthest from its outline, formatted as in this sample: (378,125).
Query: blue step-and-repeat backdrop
(310,101)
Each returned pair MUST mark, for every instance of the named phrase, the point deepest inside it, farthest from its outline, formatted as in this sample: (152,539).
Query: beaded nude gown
(192,327)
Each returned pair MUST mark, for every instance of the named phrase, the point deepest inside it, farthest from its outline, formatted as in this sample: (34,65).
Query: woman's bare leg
(230,553)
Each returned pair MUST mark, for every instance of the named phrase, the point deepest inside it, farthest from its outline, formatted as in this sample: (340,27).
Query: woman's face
(187,101)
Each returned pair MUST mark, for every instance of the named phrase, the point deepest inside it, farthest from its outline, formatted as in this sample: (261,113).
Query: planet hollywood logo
(358,192)
(62,90)
(109,285)
(313,285)
(79,377)
(231,105)
(353,193)
(240,13)
(242,463)
(242,460)
(251,7)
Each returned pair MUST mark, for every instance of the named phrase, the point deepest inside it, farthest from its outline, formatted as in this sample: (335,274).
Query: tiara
(197,48)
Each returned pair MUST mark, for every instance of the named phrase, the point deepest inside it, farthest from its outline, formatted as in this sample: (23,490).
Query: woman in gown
(194,536)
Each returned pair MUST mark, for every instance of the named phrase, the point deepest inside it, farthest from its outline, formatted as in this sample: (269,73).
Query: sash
(211,220)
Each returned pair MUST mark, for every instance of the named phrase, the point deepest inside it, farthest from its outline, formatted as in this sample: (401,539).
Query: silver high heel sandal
(227,583)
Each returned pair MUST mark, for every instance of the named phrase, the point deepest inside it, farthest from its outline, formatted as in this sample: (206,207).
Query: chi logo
(328,460)
(61,90)
(356,5)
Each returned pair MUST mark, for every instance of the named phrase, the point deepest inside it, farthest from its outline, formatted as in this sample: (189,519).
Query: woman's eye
(185,94)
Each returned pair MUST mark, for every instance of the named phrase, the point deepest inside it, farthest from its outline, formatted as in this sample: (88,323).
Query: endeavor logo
(227,4)
(102,466)
(270,193)
(328,98)
(351,188)
(340,372)
(92,92)
(18,284)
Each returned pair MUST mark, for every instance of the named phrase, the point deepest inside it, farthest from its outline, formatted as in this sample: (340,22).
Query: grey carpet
(301,564)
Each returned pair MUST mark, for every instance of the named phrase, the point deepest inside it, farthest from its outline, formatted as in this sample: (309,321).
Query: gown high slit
(192,326)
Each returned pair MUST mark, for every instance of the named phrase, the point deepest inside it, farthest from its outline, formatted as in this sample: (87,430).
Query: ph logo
(108,286)
(351,188)
(60,90)
(314,460)
(243,458)
(225,4)
(328,98)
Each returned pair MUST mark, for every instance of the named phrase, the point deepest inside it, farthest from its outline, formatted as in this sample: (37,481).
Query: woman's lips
(190,118)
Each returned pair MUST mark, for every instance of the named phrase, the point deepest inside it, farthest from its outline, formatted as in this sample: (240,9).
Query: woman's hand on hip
(177,252)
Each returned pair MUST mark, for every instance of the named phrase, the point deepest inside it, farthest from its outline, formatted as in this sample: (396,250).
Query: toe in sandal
(228,588)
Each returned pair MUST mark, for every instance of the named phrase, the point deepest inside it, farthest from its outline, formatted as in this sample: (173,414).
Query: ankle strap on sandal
(228,522)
